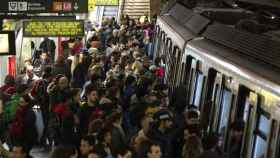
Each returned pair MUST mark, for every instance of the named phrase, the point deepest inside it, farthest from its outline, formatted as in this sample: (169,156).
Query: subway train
(228,75)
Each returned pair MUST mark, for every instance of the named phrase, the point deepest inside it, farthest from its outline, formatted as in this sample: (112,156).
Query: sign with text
(44,6)
(106,2)
(53,28)
(7,43)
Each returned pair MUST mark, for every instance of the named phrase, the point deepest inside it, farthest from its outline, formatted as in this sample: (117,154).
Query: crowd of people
(106,101)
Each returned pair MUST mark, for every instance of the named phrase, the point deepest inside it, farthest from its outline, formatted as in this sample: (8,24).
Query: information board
(106,2)
(7,43)
(44,6)
(53,28)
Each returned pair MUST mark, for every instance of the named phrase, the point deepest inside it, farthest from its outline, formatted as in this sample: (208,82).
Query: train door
(168,59)
(224,108)
(156,42)
(260,135)
(209,100)
(216,100)
(176,68)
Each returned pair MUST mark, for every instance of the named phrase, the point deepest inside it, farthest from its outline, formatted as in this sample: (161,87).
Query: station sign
(7,43)
(44,6)
(53,28)
(106,2)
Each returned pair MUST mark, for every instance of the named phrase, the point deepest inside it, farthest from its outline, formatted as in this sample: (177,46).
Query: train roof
(183,22)
(241,64)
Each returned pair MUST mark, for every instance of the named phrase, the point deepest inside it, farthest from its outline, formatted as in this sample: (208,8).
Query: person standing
(49,46)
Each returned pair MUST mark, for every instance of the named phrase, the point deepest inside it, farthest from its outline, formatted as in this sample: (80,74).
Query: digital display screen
(106,2)
(53,28)
(7,43)
(44,6)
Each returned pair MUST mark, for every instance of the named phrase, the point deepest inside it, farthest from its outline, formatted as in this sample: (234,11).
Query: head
(25,100)
(114,118)
(92,94)
(151,149)
(9,80)
(87,145)
(63,82)
(210,141)
(75,94)
(105,135)
(64,152)
(44,55)
(19,151)
(94,155)
(237,129)
(192,116)
(164,119)
(125,153)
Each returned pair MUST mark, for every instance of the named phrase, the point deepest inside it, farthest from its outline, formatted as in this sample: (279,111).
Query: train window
(272,140)
(198,89)
(261,134)
(246,111)
(278,145)
(260,147)
(263,125)
(225,112)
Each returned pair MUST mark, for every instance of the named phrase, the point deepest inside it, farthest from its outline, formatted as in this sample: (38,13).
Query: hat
(162,115)
(152,68)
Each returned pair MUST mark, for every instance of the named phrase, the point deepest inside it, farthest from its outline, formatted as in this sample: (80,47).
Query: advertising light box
(106,2)
(7,43)
(53,28)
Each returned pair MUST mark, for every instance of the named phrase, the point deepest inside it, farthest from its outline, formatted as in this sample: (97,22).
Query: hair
(89,139)
(74,91)
(102,133)
(145,148)
(63,152)
(192,147)
(9,80)
(210,141)
(24,148)
(27,98)
(95,126)
(238,125)
(91,88)
(114,117)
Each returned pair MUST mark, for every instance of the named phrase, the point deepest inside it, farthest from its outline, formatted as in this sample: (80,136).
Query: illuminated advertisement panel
(53,28)
(106,2)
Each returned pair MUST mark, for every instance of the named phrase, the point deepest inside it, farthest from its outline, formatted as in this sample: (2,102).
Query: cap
(162,115)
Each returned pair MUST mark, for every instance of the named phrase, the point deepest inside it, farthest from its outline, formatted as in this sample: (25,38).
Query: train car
(173,30)
(230,76)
